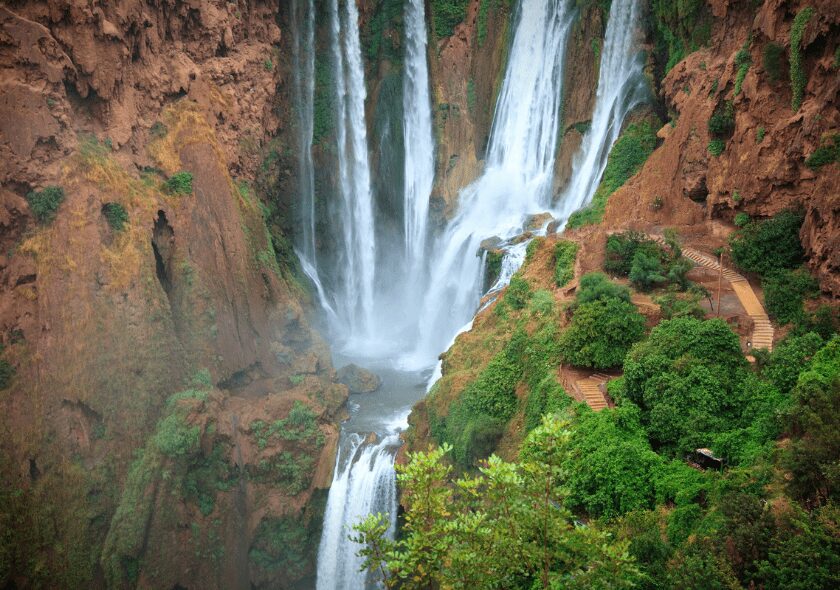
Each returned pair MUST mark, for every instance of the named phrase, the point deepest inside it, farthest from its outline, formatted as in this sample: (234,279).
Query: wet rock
(490,244)
(538,220)
(358,379)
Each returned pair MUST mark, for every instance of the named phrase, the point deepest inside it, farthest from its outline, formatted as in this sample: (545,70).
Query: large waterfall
(419,146)
(442,278)
(303,18)
(620,88)
(354,302)
(518,173)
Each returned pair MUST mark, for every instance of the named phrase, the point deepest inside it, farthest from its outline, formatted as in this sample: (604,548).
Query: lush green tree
(502,528)
(811,456)
(768,245)
(609,464)
(596,286)
(601,332)
(784,292)
(646,270)
(44,203)
(789,357)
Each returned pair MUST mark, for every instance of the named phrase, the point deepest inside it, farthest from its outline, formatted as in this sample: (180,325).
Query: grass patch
(116,215)
(827,153)
(565,254)
(180,183)
(772,57)
(798,78)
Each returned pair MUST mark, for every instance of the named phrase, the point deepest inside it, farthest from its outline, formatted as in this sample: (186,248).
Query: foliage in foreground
(501,528)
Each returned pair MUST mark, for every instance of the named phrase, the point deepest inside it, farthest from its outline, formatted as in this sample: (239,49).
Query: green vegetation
(604,325)
(743,61)
(518,292)
(44,203)
(158,130)
(722,121)
(532,248)
(502,528)
(565,254)
(7,371)
(772,59)
(741,219)
(446,14)
(798,77)
(626,158)
(678,28)
(645,262)
(493,266)
(784,292)
(268,65)
(716,147)
(179,183)
(768,245)
(483,12)
(300,424)
(176,438)
(323,121)
(283,545)
(827,153)
(760,133)
(383,31)
(116,215)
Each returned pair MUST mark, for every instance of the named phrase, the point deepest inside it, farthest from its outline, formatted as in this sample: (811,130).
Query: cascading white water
(620,88)
(417,130)
(517,177)
(364,483)
(357,259)
(303,17)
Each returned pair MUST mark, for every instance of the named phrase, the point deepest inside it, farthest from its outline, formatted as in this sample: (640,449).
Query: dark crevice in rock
(163,246)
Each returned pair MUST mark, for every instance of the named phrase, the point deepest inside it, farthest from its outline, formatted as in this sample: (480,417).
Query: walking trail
(762,336)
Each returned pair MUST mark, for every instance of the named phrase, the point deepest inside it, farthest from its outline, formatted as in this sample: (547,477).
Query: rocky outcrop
(761,169)
(358,379)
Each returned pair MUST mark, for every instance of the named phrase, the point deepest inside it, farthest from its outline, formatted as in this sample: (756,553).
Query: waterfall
(518,173)
(417,130)
(620,88)
(304,95)
(364,483)
(357,260)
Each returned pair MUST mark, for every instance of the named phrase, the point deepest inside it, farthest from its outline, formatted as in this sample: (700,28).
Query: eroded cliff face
(761,169)
(105,481)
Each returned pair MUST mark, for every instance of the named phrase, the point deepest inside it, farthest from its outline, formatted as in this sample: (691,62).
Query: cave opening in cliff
(163,246)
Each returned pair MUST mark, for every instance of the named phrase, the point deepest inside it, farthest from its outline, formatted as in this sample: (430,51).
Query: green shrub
(158,130)
(743,61)
(646,270)
(784,292)
(678,306)
(645,262)
(44,204)
(768,245)
(596,286)
(798,78)
(546,398)
(827,153)
(542,302)
(518,292)
(679,28)
(789,357)
(7,371)
(722,121)
(179,183)
(773,54)
(741,219)
(716,147)
(446,14)
(268,65)
(175,438)
(565,254)
(628,155)
(116,215)
(532,248)
(760,133)
(601,332)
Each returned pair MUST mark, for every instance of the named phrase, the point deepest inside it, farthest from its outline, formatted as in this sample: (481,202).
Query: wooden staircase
(590,389)
(762,336)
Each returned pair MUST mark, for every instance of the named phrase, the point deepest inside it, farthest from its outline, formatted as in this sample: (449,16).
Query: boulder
(538,220)
(357,379)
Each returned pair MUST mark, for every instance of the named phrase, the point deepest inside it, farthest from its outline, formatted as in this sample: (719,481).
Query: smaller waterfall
(364,483)
(303,17)
(620,88)
(419,145)
(358,258)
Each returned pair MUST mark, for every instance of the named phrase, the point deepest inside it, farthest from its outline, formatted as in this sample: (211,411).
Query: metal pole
(720,280)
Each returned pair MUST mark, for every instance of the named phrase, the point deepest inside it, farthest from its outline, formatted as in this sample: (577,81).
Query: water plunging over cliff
(419,145)
(518,173)
(357,259)
(621,86)
(303,19)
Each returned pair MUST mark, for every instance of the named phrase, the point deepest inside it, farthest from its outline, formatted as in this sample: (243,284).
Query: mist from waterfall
(621,87)
(356,262)
(518,173)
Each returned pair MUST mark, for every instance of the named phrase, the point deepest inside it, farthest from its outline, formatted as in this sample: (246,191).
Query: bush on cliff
(784,293)
(44,203)
(446,14)
(768,245)
(179,183)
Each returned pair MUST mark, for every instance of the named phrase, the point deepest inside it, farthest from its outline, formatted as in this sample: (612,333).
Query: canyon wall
(171,417)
